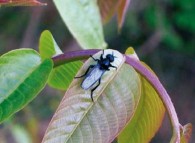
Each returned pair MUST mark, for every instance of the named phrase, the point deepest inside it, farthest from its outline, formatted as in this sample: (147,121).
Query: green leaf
(48,46)
(147,118)
(22,76)
(83,20)
(78,119)
(60,76)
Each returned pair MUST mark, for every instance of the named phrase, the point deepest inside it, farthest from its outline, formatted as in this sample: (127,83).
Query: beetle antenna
(113,54)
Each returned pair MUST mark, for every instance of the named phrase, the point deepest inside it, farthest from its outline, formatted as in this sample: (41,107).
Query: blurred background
(162,33)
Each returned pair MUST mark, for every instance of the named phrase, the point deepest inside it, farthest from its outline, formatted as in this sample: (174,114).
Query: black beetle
(95,72)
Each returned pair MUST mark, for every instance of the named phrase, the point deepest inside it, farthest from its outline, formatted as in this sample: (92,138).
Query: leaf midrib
(10,92)
(92,103)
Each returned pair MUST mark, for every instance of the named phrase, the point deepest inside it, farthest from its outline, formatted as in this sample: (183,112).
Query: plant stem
(153,79)
(73,56)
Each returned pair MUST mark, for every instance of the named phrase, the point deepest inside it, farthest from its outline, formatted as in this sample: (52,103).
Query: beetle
(94,73)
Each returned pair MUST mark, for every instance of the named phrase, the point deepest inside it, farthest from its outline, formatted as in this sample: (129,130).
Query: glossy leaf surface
(22,76)
(83,20)
(78,119)
(60,76)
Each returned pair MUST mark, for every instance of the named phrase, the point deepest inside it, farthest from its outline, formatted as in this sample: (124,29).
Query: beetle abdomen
(92,77)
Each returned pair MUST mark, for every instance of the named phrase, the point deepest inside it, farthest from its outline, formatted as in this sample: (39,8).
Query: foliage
(131,108)
(21,80)
(61,76)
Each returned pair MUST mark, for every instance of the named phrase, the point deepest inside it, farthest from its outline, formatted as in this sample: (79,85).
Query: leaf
(109,7)
(78,119)
(131,53)
(83,20)
(154,81)
(122,9)
(60,76)
(22,76)
(186,133)
(21,3)
(48,46)
(147,118)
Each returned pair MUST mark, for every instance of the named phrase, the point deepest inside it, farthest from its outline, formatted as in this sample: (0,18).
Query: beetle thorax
(104,64)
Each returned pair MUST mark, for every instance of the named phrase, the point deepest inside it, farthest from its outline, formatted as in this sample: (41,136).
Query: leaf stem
(162,94)
(73,56)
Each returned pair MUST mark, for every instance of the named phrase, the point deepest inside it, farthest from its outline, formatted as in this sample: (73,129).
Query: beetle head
(110,57)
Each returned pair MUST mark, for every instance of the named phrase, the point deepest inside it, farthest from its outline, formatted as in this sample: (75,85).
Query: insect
(94,73)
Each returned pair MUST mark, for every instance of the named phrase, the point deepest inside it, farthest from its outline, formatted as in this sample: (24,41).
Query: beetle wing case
(91,78)
(106,76)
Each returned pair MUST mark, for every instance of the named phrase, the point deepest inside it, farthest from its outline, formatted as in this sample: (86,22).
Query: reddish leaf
(109,7)
(122,9)
(21,3)
(186,133)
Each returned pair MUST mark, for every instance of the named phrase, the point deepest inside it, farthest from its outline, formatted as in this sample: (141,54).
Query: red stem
(153,79)
(73,56)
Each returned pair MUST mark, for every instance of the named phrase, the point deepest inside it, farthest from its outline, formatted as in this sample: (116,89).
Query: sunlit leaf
(21,3)
(148,116)
(48,46)
(83,20)
(60,76)
(22,76)
(78,119)
(154,81)
(131,53)
(147,119)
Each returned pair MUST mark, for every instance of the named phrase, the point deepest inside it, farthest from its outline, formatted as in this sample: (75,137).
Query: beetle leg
(99,81)
(113,66)
(91,66)
(93,58)
(101,57)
